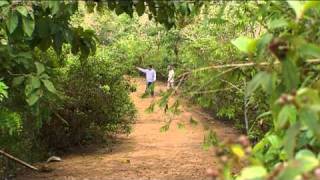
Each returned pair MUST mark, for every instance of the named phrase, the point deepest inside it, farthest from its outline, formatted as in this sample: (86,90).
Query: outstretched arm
(141,69)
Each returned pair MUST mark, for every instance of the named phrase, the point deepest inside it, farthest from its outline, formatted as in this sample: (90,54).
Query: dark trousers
(150,88)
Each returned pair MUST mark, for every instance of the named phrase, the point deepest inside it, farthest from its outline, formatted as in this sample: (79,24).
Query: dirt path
(147,153)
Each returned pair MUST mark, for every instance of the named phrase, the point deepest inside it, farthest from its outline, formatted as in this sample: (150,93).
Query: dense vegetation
(253,64)
(53,95)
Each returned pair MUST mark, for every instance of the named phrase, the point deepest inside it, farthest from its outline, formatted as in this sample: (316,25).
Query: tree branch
(18,160)
(249,64)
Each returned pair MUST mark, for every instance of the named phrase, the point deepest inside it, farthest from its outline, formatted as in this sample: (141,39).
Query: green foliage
(50,100)
(3,91)
(245,44)
(165,127)
(86,116)
(149,90)
(175,108)
(288,114)
(253,172)
(294,121)
(164,12)
(301,7)
(262,79)
(10,123)
(193,122)
(181,125)
(227,112)
(151,107)
(210,139)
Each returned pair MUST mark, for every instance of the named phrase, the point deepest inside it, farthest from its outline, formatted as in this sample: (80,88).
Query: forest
(68,80)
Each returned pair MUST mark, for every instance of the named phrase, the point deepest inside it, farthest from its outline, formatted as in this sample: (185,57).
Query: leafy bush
(96,104)
(290,148)
(45,110)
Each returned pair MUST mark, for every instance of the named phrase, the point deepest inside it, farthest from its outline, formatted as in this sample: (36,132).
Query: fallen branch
(231,84)
(18,160)
(213,78)
(179,84)
(61,118)
(240,65)
(210,91)
(245,109)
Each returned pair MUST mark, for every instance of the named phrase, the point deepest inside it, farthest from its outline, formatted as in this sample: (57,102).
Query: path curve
(147,153)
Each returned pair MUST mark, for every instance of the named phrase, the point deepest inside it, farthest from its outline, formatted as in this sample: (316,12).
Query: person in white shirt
(151,77)
(170,83)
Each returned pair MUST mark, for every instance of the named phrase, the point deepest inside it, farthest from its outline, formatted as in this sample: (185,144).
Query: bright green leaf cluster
(3,91)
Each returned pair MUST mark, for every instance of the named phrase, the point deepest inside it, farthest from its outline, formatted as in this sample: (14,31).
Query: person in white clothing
(170,83)
(151,77)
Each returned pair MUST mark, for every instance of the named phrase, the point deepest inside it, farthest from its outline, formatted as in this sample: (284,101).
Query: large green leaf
(17,81)
(28,89)
(291,171)
(304,161)
(307,97)
(290,74)
(311,120)
(3,3)
(54,6)
(12,21)
(268,83)
(300,7)
(44,76)
(260,145)
(287,114)
(310,50)
(289,141)
(261,79)
(33,97)
(253,173)
(22,10)
(33,83)
(28,25)
(40,68)
(268,113)
(278,23)
(275,141)
(245,44)
(263,42)
(307,159)
(49,85)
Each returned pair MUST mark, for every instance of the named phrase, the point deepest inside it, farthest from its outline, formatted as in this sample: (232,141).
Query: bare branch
(240,65)
(18,160)
(210,91)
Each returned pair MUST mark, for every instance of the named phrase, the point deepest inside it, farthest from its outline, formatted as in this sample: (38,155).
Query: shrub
(96,103)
